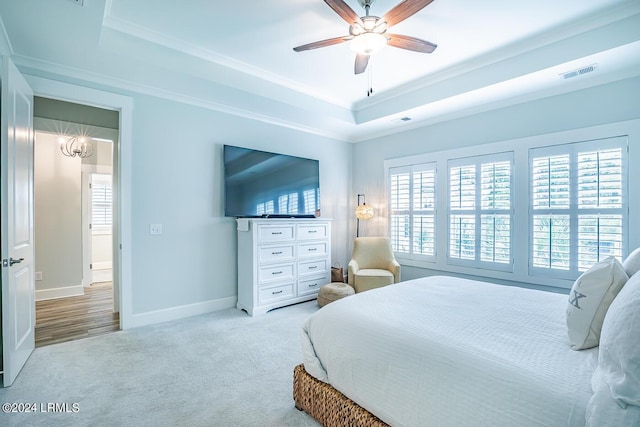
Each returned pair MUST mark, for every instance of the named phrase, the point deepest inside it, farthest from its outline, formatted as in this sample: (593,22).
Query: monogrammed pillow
(589,299)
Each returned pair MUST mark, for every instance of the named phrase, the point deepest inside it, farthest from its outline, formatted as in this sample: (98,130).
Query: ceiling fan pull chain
(370,80)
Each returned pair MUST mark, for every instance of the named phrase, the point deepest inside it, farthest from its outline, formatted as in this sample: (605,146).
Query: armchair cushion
(370,278)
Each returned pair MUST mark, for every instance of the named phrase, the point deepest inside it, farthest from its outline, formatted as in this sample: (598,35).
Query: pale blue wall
(610,103)
(177,181)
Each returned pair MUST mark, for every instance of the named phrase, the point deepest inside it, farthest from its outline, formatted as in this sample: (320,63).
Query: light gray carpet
(219,369)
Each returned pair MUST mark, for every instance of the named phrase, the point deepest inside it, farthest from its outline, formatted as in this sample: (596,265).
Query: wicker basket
(327,405)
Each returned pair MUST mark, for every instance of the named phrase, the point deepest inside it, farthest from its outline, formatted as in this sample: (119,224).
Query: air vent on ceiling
(401,119)
(579,71)
(78,2)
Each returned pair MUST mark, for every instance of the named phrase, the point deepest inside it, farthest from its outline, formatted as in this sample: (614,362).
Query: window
(539,210)
(413,210)
(578,205)
(480,213)
(101,201)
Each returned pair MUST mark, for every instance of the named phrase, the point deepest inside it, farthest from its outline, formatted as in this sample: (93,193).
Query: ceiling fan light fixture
(368,43)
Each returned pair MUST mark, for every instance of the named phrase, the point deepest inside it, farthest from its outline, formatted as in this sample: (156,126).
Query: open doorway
(73,167)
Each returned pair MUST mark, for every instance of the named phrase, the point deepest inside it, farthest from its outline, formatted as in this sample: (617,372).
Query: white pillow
(603,410)
(619,353)
(631,263)
(589,300)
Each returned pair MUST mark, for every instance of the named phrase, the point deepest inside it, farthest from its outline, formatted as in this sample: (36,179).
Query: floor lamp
(362,212)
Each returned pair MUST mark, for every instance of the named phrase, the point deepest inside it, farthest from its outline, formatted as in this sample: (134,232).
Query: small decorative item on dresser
(334,291)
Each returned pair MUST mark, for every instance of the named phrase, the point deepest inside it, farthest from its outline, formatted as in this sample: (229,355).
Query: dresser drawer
(275,233)
(312,231)
(312,267)
(312,249)
(276,272)
(275,293)
(310,286)
(279,253)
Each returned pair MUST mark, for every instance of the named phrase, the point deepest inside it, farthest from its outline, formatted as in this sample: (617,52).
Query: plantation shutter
(578,205)
(101,201)
(400,188)
(480,211)
(413,210)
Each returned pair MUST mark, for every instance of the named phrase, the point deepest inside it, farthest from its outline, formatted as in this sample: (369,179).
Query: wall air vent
(579,71)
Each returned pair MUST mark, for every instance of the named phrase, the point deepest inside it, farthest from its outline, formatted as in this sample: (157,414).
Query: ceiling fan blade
(345,12)
(322,43)
(410,43)
(361,63)
(403,10)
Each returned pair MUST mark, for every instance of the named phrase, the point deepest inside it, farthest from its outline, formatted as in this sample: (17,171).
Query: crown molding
(45,69)
(5,44)
(183,47)
(590,23)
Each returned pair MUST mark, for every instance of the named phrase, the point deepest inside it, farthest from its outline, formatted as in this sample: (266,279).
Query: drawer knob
(313,249)
(312,267)
(276,253)
(276,272)
(274,233)
(276,292)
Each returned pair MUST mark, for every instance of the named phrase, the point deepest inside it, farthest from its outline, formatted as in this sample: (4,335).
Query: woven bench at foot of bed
(327,405)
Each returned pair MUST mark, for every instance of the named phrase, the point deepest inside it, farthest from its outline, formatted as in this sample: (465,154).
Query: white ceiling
(237,56)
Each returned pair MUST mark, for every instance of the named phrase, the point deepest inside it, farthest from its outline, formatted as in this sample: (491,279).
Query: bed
(445,351)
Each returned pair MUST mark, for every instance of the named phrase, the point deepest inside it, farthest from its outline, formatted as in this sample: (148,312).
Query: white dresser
(281,261)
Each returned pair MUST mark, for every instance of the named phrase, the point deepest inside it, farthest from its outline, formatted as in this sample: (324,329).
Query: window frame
(411,170)
(574,212)
(478,212)
(106,180)
(629,131)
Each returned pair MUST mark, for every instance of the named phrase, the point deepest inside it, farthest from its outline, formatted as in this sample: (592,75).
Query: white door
(16,229)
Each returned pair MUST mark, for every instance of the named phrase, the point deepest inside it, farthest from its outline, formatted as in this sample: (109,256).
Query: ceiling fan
(368,33)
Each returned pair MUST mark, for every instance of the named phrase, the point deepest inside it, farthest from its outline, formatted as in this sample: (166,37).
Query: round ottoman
(334,291)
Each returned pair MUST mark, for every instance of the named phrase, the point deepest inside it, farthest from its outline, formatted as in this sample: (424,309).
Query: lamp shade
(364,212)
(368,43)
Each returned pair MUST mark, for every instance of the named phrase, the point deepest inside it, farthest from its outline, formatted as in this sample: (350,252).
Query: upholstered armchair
(372,264)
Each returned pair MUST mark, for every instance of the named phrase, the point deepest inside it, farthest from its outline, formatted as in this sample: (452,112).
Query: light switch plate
(155,229)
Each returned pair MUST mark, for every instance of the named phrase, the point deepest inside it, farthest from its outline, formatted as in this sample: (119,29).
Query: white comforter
(442,351)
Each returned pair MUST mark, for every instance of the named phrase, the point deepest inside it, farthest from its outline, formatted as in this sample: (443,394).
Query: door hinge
(90,266)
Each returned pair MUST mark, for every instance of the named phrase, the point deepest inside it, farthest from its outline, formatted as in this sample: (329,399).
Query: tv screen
(262,184)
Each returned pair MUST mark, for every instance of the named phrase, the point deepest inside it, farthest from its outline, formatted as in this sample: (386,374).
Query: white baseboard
(101,265)
(102,275)
(180,312)
(64,292)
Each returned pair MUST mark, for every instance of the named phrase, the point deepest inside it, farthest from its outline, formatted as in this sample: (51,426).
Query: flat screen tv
(270,185)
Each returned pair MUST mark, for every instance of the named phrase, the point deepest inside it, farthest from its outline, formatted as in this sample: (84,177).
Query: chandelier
(76,147)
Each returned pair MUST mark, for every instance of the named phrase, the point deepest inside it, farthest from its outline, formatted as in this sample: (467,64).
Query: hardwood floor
(67,319)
